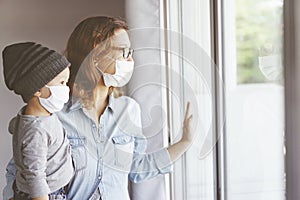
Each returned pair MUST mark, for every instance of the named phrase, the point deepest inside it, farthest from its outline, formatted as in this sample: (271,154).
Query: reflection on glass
(258,34)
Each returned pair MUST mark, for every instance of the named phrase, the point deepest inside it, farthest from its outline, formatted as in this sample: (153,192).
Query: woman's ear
(37,94)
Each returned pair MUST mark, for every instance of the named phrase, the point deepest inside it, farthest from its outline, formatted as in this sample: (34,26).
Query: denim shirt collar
(75,104)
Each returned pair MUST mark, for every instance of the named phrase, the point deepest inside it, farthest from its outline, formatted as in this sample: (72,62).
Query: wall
(46,22)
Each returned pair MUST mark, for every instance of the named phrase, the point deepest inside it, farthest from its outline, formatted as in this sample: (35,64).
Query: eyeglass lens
(127,52)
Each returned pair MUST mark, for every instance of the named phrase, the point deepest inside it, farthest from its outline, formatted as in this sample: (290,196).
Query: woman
(104,130)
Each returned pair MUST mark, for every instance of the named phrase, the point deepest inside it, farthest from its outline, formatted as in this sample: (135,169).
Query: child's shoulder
(46,123)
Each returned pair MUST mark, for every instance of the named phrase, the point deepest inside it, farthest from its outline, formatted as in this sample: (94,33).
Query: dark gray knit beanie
(29,66)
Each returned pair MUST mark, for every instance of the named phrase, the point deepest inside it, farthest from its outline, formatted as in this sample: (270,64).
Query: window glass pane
(259,40)
(254,100)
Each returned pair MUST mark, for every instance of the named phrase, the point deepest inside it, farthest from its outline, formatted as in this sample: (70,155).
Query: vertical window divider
(218,98)
(165,61)
(183,159)
(292,97)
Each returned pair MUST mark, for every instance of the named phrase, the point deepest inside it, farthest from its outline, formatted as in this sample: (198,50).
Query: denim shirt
(107,153)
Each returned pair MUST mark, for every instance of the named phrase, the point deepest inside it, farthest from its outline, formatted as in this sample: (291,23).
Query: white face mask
(124,70)
(59,96)
(271,67)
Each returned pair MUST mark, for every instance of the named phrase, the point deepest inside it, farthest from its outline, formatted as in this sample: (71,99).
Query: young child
(40,147)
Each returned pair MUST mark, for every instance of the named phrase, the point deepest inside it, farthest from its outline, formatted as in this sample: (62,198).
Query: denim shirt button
(99,177)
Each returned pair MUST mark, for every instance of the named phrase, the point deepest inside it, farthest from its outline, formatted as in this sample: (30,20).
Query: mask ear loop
(111,88)
(98,69)
(39,91)
(95,62)
(49,89)
(96,66)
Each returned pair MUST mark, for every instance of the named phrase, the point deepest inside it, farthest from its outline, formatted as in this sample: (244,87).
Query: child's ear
(37,94)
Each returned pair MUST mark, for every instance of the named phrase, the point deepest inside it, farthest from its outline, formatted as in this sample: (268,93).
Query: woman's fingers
(187,111)
(188,116)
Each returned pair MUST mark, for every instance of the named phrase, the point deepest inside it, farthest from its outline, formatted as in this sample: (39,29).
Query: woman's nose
(130,58)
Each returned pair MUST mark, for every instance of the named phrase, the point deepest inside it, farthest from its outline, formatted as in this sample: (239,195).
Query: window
(245,90)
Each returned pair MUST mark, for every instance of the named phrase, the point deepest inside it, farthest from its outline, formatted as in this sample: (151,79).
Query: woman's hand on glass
(187,135)
(176,150)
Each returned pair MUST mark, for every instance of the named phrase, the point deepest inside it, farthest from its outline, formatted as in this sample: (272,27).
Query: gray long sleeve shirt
(41,153)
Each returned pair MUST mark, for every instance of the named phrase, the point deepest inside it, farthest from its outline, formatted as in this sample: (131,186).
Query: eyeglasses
(127,52)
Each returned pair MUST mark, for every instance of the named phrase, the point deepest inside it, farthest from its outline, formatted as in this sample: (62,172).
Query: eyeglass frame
(125,49)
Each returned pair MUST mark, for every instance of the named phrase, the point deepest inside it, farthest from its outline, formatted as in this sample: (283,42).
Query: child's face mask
(55,102)
(124,70)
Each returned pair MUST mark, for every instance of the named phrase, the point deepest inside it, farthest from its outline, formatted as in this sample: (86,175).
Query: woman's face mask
(122,75)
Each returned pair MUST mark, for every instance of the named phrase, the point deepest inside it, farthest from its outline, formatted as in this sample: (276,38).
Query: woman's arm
(178,149)
(148,165)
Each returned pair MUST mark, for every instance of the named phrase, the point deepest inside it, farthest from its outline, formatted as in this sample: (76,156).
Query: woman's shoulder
(127,99)
(126,102)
